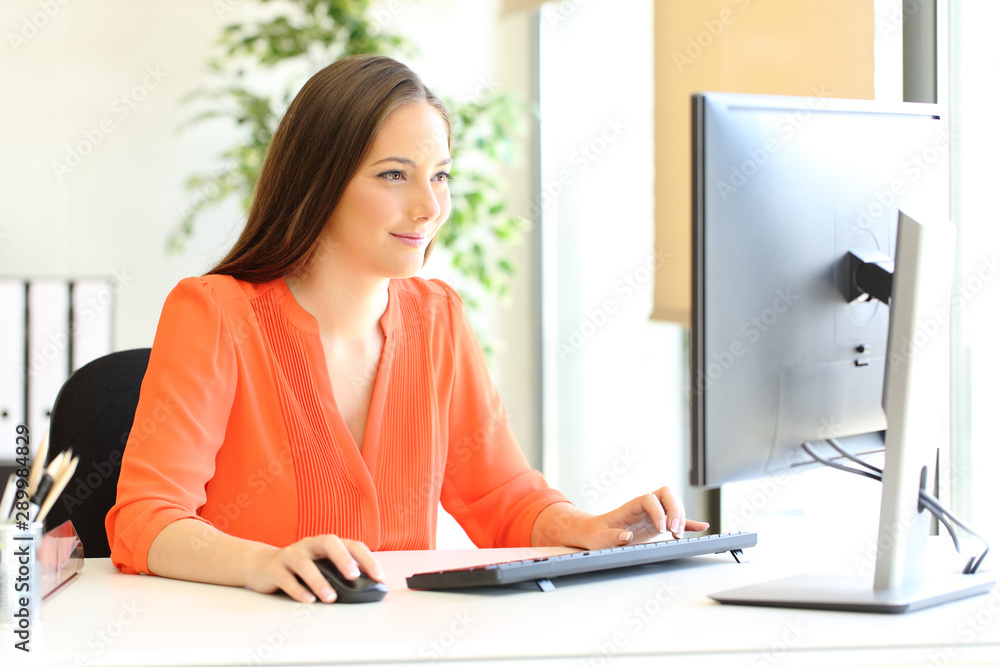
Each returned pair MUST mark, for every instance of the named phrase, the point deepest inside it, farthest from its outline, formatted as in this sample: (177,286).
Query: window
(974,104)
(614,379)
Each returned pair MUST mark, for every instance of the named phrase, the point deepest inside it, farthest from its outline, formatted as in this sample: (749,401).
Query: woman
(311,398)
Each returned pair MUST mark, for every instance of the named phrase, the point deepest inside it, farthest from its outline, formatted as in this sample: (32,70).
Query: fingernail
(327,594)
(353,572)
(625,536)
(308,597)
(675,527)
(663,525)
(379,573)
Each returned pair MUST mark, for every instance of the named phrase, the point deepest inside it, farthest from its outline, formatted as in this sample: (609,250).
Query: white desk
(654,616)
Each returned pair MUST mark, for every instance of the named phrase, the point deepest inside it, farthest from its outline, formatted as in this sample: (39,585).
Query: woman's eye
(393,175)
(443,176)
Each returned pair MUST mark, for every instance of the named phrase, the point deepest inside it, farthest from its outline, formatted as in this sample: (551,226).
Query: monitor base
(856,593)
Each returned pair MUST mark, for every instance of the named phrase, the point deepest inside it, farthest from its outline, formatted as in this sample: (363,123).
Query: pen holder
(20,583)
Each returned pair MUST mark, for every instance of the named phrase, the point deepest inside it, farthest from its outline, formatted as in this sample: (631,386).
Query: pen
(38,465)
(7,502)
(42,490)
(59,483)
(55,464)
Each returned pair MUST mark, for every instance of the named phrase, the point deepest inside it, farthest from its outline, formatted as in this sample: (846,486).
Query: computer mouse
(362,589)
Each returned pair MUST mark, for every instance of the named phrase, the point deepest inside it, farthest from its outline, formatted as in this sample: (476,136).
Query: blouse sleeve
(488,486)
(180,423)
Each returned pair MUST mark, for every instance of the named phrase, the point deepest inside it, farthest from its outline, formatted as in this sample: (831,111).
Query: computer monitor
(800,206)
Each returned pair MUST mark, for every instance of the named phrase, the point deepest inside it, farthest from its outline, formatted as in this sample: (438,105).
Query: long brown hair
(317,149)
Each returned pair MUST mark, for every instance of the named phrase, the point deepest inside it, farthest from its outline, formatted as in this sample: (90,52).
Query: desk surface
(637,617)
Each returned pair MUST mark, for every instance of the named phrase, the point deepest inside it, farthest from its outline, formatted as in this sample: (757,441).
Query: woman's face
(398,200)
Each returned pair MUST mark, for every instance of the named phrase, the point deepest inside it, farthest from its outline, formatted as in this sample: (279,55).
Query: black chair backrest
(93,414)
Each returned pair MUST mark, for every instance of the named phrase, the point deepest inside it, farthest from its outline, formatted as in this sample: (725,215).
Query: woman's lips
(412,240)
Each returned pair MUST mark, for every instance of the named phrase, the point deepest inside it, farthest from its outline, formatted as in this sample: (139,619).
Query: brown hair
(317,149)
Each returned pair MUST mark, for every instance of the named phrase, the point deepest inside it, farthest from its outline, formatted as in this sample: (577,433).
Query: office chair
(93,414)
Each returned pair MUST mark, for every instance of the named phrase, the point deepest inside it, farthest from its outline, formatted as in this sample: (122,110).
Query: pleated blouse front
(237,426)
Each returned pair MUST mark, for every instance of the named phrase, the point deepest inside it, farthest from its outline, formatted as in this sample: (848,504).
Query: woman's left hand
(641,520)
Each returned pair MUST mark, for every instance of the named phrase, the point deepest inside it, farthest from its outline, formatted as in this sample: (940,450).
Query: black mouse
(362,589)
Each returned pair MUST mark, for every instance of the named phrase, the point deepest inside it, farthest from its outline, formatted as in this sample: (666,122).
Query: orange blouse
(237,426)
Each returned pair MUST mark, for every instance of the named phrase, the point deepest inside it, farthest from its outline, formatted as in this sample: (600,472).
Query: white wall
(95,87)
(94,165)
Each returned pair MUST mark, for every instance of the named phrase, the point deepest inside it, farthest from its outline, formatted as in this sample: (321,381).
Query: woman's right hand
(270,568)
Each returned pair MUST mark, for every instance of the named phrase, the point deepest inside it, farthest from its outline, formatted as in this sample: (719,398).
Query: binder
(12,377)
(48,353)
(48,329)
(92,320)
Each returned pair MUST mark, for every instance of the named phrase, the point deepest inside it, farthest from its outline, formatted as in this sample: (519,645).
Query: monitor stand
(857,593)
(915,399)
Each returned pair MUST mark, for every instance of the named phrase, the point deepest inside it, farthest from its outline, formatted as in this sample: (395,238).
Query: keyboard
(543,569)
